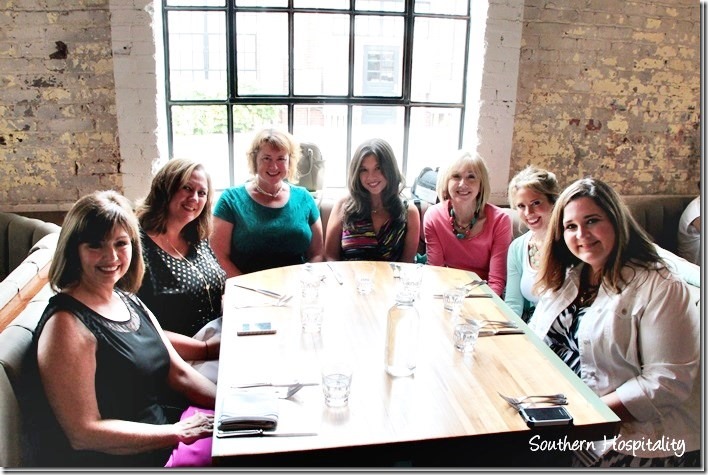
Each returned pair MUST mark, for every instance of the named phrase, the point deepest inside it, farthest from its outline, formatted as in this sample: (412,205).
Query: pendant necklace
(206,283)
(261,190)
(461,232)
(587,295)
(534,254)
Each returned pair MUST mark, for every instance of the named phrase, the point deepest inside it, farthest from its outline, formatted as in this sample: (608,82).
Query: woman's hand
(197,426)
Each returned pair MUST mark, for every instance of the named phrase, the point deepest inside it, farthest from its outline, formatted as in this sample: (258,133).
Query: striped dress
(361,243)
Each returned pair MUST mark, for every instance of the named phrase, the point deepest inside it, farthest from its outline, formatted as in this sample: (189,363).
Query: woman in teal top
(267,222)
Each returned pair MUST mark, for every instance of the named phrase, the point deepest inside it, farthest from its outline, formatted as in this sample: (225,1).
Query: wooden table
(447,414)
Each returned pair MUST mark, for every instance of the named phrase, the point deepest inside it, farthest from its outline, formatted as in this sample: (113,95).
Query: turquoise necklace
(461,232)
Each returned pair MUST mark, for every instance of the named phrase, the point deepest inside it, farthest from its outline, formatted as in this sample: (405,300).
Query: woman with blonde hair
(464,230)
(532,193)
(267,222)
(625,324)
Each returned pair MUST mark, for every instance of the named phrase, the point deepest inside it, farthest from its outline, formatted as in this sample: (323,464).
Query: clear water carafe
(402,330)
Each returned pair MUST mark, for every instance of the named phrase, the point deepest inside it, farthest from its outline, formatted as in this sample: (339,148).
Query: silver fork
(475,283)
(291,388)
(557,399)
(493,323)
(291,391)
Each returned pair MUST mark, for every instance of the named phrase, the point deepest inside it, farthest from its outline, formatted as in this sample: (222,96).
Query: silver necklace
(272,195)
(207,287)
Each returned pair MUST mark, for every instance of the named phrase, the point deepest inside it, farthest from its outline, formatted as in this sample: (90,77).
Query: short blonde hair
(536,179)
(90,219)
(280,140)
(459,161)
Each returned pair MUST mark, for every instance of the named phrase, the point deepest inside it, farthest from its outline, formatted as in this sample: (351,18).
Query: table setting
(332,334)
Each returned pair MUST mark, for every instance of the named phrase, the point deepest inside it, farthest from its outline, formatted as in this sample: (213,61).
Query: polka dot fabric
(184,294)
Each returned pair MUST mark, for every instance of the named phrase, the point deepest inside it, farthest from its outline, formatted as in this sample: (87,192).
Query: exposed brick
(633,106)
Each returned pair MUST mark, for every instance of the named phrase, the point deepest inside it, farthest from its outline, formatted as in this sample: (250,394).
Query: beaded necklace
(462,232)
(272,195)
(534,254)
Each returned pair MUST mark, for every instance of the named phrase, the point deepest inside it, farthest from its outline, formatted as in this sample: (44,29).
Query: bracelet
(206,350)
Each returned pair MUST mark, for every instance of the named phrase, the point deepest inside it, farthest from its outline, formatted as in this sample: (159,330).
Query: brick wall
(58,130)
(611,89)
(598,87)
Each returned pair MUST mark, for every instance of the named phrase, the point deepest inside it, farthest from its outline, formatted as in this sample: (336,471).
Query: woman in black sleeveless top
(102,360)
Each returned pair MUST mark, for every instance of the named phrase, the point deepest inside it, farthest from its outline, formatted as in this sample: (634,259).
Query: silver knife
(501,331)
(269,293)
(470,296)
(337,276)
(260,433)
(272,385)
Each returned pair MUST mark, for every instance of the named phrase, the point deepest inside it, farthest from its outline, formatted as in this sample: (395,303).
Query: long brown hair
(632,244)
(358,205)
(153,211)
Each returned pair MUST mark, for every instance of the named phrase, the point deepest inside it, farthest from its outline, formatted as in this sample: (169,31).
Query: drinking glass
(336,384)
(364,275)
(465,336)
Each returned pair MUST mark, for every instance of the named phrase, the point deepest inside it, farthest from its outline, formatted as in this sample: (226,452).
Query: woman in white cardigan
(616,315)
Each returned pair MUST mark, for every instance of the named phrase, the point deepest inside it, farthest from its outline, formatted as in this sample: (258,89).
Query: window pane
(384,122)
(249,119)
(378,56)
(433,131)
(381,5)
(262,53)
(197,43)
(438,60)
(326,127)
(195,3)
(338,4)
(449,7)
(321,54)
(261,3)
(199,133)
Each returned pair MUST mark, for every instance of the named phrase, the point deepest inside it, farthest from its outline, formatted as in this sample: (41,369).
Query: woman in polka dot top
(183,282)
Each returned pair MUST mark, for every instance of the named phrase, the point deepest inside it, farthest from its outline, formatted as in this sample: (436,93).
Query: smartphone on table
(255,328)
(546,416)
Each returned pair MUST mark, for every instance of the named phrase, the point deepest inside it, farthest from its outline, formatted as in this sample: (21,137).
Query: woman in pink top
(463,230)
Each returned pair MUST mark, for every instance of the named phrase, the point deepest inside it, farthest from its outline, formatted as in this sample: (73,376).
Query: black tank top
(132,364)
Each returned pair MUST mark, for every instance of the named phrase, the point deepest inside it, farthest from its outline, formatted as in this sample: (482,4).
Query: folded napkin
(249,409)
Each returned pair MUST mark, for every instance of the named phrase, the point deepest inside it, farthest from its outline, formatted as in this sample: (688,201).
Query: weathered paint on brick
(57,116)
(627,113)
(604,87)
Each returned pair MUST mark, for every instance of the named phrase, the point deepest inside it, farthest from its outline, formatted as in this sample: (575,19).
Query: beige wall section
(611,89)
(603,87)
(58,127)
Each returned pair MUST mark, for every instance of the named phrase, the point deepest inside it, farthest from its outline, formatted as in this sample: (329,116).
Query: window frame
(291,100)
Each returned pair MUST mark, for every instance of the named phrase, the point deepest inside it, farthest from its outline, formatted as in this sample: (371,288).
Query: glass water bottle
(402,336)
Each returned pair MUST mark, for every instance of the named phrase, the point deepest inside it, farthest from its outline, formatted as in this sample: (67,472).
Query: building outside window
(332,72)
